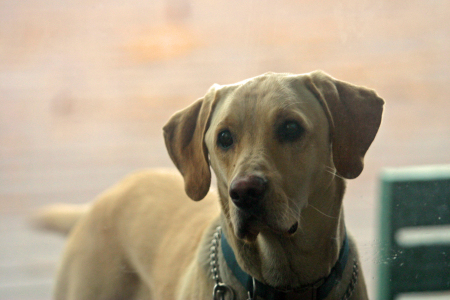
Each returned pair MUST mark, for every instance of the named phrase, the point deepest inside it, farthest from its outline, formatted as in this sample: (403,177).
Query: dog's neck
(289,262)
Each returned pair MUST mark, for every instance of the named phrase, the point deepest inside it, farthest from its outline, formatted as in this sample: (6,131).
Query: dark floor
(85,87)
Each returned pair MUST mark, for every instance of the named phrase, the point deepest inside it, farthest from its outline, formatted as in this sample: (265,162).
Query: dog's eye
(225,139)
(290,131)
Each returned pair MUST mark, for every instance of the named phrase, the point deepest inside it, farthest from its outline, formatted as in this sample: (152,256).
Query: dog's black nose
(247,191)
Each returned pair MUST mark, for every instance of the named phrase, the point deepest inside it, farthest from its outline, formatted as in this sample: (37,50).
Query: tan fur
(143,238)
(59,217)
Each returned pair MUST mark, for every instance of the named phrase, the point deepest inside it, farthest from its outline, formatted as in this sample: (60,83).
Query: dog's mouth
(247,231)
(248,226)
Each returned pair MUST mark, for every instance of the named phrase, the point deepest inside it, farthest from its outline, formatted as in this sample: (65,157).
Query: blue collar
(318,290)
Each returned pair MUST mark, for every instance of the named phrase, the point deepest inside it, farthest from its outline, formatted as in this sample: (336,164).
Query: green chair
(414,232)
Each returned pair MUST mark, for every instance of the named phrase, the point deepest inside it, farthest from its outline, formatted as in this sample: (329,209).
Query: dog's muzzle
(248,193)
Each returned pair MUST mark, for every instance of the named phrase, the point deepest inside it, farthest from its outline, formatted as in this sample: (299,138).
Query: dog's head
(272,141)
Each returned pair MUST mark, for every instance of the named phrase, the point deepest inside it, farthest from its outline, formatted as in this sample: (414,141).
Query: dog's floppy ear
(354,114)
(184,137)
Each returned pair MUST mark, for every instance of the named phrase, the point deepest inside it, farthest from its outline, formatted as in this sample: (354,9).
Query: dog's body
(280,146)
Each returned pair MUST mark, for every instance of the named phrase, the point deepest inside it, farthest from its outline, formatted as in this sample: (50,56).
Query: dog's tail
(59,217)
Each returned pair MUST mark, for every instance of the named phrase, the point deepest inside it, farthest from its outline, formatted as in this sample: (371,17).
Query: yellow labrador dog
(281,147)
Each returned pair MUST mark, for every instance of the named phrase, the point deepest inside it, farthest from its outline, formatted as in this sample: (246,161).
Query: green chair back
(414,231)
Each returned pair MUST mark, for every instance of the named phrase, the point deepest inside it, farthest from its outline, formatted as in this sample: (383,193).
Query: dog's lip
(247,234)
(293,229)
(248,226)
(285,231)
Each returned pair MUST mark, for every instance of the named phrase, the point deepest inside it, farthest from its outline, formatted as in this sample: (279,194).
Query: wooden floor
(85,87)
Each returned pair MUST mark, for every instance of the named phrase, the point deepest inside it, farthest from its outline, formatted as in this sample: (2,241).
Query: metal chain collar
(220,288)
(352,284)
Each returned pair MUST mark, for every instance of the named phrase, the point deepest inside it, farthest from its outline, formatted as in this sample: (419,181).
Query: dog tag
(220,290)
(254,290)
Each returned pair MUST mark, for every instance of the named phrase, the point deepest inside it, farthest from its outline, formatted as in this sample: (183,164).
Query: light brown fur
(143,239)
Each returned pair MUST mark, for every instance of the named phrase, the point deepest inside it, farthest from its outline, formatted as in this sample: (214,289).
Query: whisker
(319,211)
(333,172)
(300,227)
(293,210)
